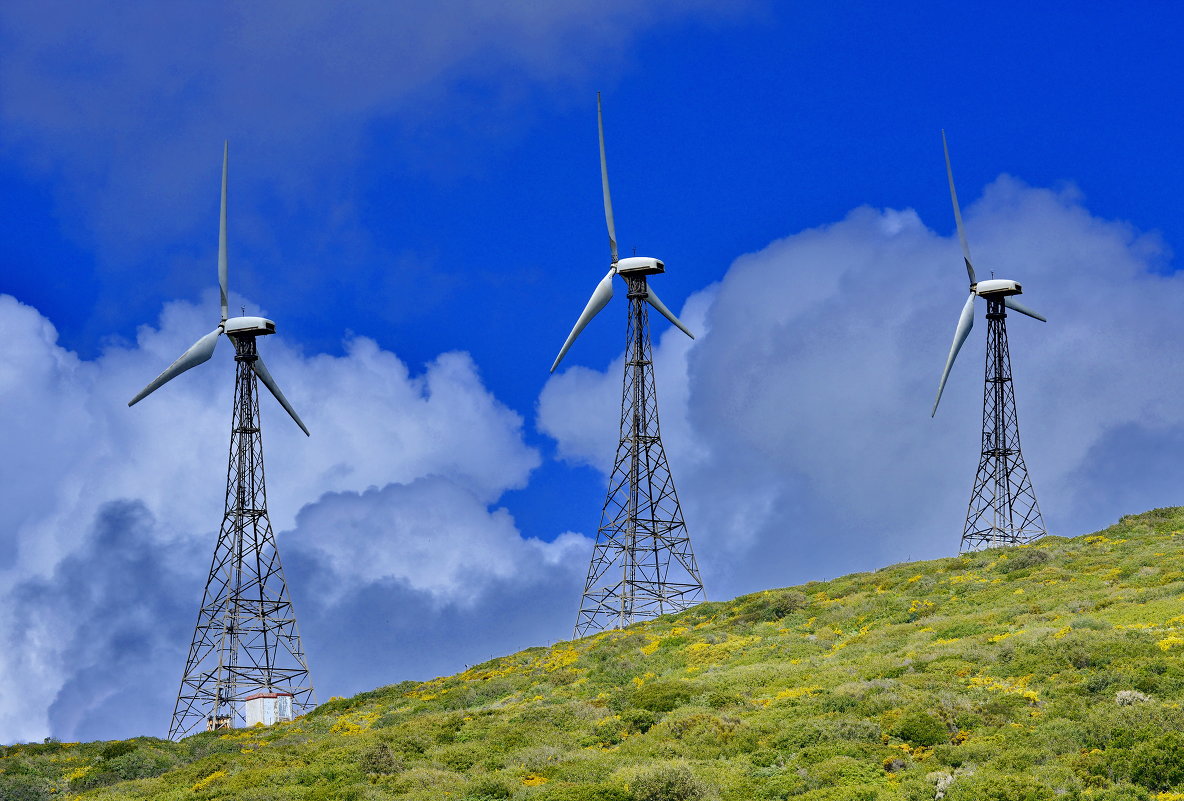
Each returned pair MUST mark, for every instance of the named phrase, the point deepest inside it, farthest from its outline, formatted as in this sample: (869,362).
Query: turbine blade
(965,323)
(198,353)
(608,201)
(261,370)
(600,297)
(1015,305)
(652,299)
(957,210)
(222,233)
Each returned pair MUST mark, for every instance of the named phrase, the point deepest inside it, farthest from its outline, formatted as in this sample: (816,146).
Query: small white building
(267,708)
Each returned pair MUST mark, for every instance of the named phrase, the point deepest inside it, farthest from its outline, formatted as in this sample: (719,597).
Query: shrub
(1100,681)
(1109,726)
(784,785)
(382,759)
(668,783)
(816,731)
(604,732)
(1124,792)
(959,630)
(461,756)
(764,757)
(1159,765)
(993,787)
(117,749)
(209,744)
(487,788)
(23,788)
(839,703)
(611,651)
(638,721)
(585,792)
(704,735)
(540,758)
(717,699)
(411,744)
(49,745)
(91,781)
(1054,702)
(1130,698)
(844,771)
(141,763)
(767,607)
(333,794)
(661,696)
(916,727)
(1027,557)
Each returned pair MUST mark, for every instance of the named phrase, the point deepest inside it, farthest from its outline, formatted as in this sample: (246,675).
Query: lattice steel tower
(245,646)
(246,640)
(1003,508)
(642,564)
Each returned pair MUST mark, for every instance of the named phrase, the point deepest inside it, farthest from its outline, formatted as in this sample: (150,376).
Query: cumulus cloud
(373,421)
(797,426)
(809,450)
(436,537)
(109,514)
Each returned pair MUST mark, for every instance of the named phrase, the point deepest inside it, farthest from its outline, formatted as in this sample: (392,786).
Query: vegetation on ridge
(1022,674)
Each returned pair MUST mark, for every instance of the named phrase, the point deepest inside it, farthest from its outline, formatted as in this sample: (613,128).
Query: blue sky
(414,198)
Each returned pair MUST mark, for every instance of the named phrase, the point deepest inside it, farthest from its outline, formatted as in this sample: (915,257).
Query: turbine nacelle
(996,287)
(249,326)
(640,265)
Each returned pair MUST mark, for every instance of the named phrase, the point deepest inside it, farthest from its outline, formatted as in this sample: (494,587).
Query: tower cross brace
(1003,508)
(246,640)
(642,564)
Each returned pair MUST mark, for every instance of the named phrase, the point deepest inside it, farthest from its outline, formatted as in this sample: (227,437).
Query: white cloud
(580,408)
(797,426)
(809,449)
(373,423)
(431,535)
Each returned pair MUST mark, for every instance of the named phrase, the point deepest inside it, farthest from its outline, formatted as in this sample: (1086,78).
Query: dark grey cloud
(101,637)
(98,645)
(382,632)
(1130,467)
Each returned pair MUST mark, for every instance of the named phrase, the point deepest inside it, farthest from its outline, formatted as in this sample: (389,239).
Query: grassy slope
(994,675)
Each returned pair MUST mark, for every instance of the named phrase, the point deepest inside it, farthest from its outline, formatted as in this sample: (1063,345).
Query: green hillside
(1042,672)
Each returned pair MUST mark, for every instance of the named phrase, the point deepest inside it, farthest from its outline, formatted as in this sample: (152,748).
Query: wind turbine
(642,564)
(241,330)
(246,663)
(1003,508)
